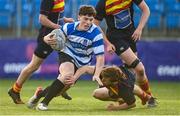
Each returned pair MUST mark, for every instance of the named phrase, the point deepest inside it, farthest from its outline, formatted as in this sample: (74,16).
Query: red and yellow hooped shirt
(58,6)
(114,6)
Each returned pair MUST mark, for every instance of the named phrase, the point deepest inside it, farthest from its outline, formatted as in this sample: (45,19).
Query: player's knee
(64,77)
(138,67)
(134,64)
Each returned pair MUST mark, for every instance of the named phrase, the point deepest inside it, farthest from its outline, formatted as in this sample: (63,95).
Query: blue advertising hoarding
(161,59)
(17,53)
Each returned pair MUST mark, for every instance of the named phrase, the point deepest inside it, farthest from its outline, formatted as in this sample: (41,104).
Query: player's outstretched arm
(99,67)
(79,72)
(83,70)
(110,47)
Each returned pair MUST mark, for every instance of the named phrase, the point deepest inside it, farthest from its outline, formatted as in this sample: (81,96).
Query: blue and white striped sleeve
(98,44)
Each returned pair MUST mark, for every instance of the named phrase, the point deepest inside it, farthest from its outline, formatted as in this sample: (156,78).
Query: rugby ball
(60,37)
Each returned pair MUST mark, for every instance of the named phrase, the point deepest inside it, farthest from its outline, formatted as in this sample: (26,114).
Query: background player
(50,12)
(122,34)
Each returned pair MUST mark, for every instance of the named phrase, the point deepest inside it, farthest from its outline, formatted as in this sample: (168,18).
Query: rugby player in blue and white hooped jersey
(81,45)
(84,40)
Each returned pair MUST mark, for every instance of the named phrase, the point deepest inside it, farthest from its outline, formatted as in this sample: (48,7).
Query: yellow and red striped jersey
(115,6)
(58,6)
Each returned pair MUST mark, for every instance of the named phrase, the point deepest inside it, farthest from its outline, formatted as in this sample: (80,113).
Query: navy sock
(54,89)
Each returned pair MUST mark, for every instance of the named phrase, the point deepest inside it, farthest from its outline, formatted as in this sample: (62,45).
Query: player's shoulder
(95,29)
(69,25)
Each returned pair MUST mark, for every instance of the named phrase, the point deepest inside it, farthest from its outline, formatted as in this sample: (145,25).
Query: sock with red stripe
(144,85)
(16,87)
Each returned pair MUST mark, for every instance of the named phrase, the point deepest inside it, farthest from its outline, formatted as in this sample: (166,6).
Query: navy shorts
(122,43)
(43,50)
(63,57)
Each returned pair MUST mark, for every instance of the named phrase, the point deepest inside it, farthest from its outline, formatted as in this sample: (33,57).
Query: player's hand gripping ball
(60,38)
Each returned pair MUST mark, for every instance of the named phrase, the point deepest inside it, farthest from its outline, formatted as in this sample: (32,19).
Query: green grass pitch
(167,93)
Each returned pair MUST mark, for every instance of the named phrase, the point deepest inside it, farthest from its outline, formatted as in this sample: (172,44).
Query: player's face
(85,22)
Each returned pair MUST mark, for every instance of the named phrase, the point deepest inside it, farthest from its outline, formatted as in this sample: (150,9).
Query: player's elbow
(145,9)
(148,12)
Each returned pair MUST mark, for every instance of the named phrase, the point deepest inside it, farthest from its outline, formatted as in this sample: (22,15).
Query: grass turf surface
(167,93)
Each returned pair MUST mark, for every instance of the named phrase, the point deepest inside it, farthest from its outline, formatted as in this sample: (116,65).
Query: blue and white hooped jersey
(82,45)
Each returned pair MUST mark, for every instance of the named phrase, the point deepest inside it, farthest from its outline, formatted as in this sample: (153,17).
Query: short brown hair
(87,10)
(112,72)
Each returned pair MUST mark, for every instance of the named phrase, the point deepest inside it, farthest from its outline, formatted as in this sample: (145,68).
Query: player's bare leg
(14,92)
(130,58)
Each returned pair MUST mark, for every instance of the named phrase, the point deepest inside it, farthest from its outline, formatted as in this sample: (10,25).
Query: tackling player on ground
(118,85)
